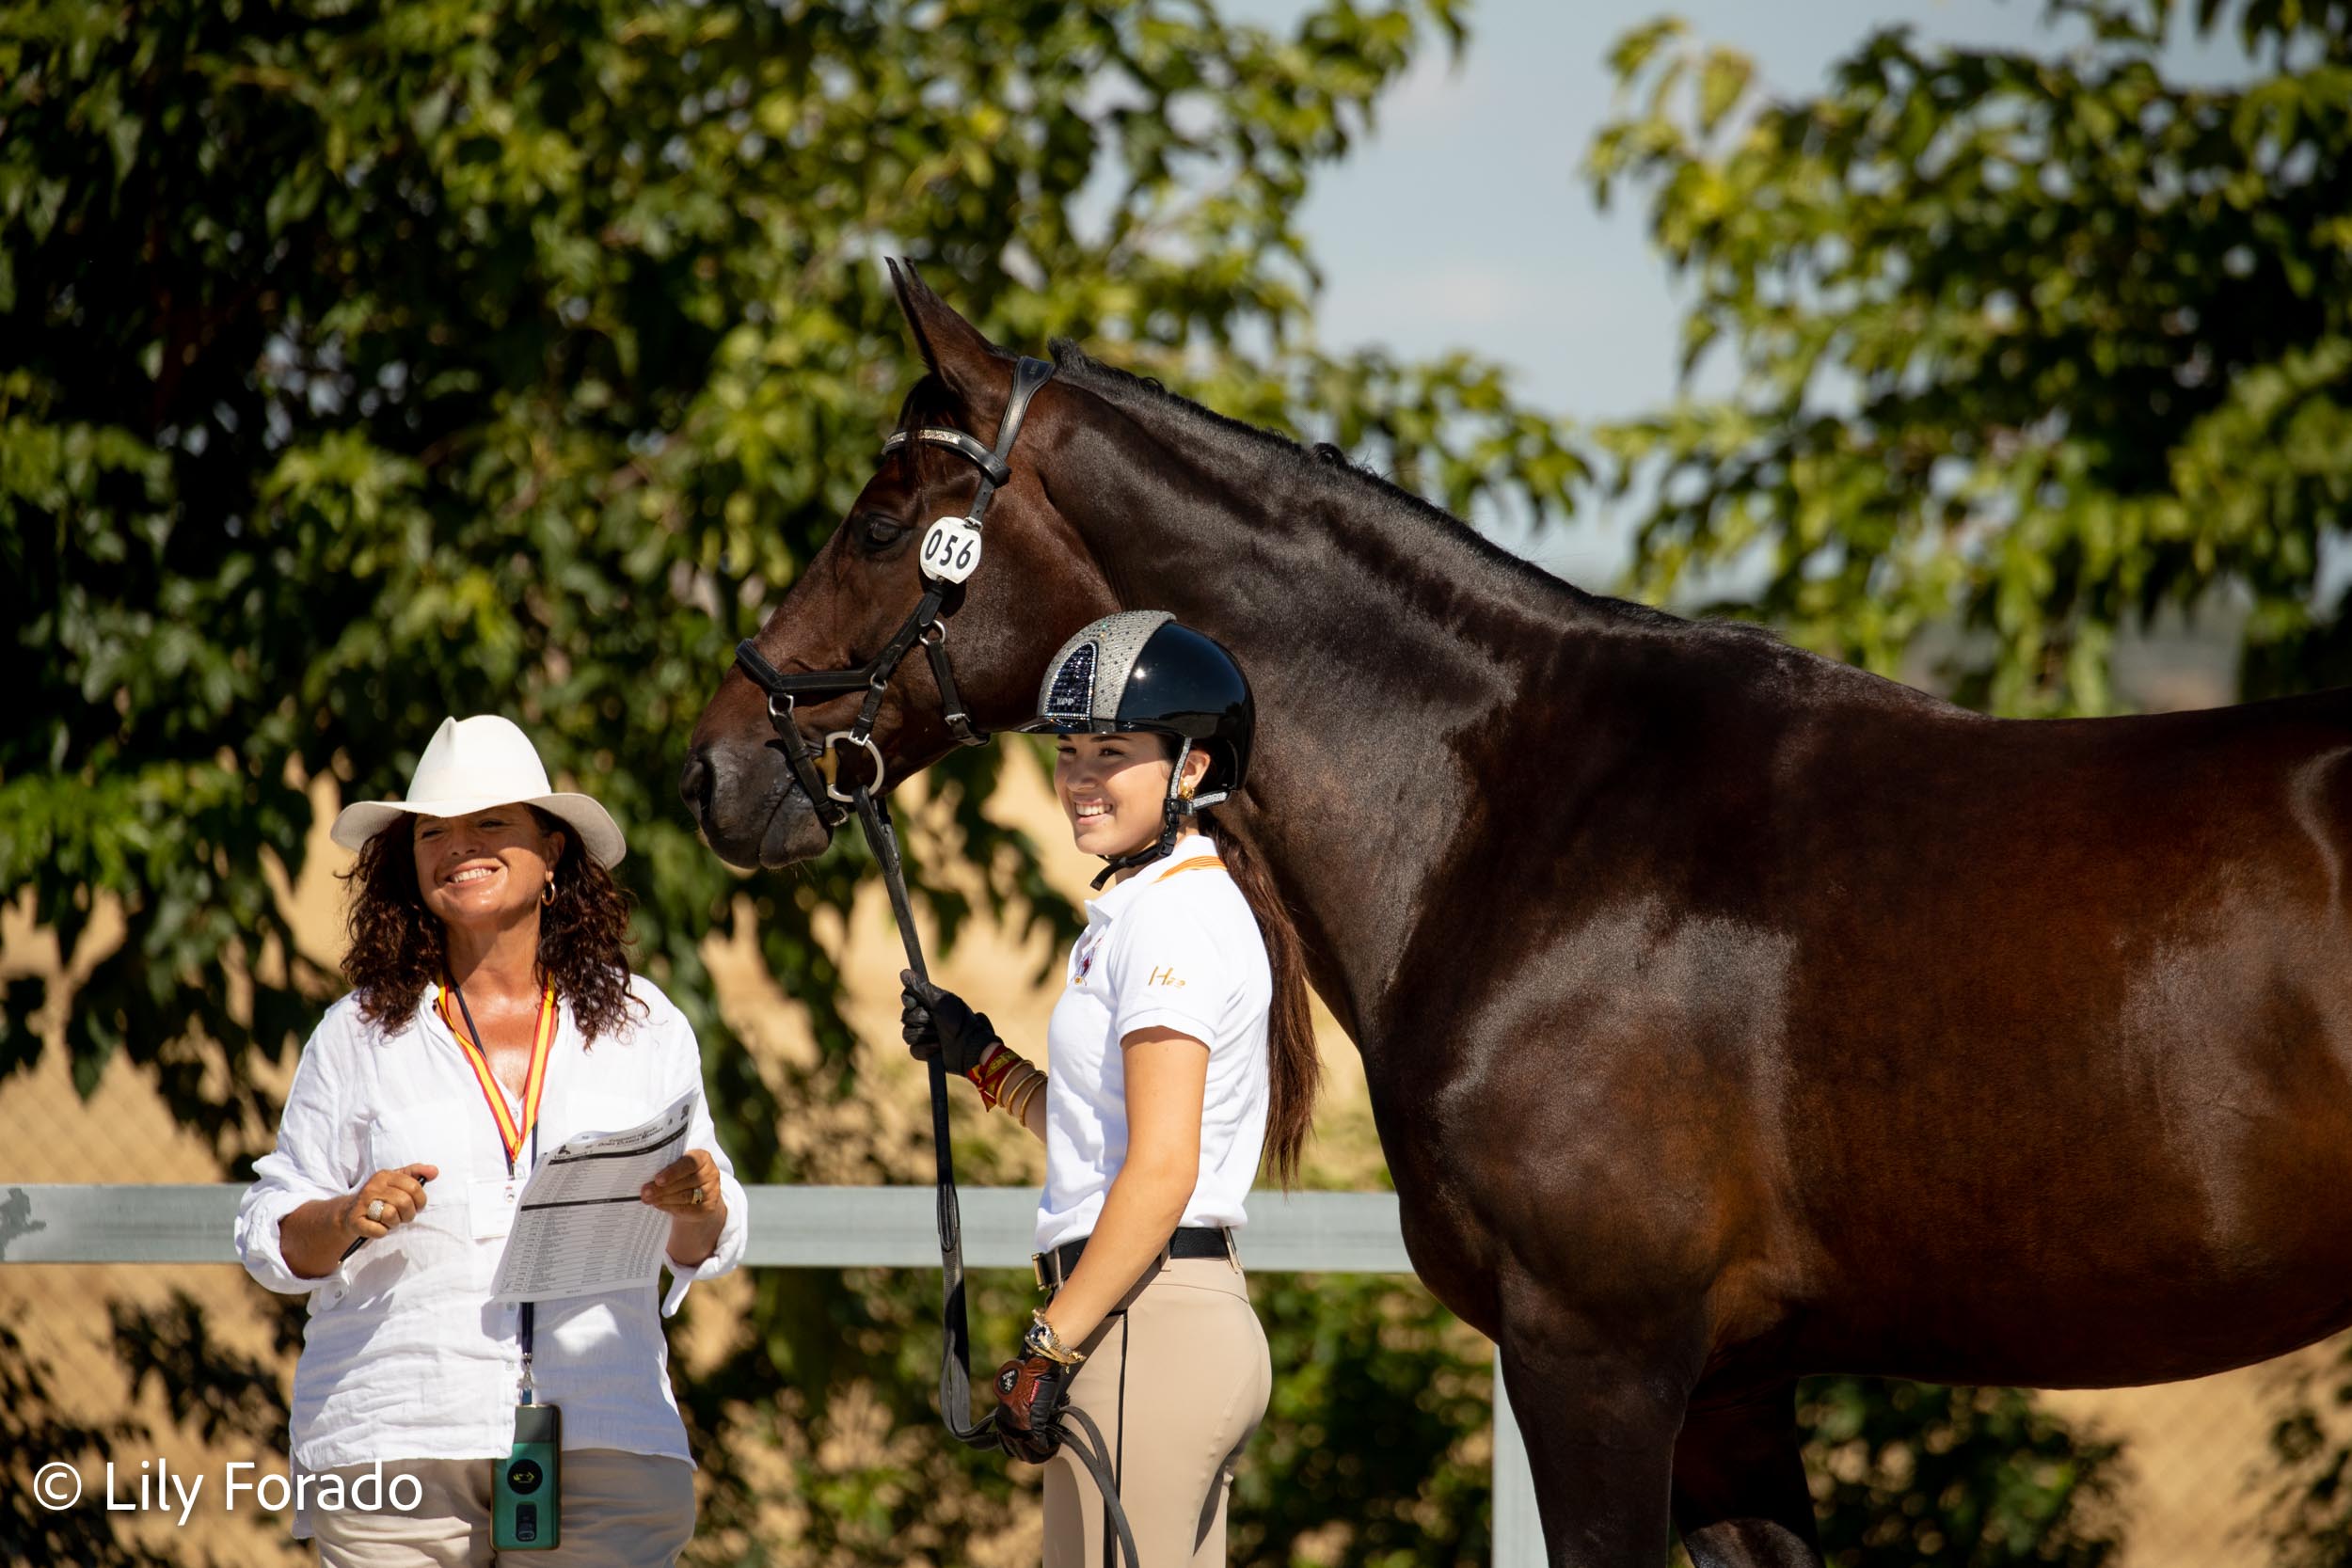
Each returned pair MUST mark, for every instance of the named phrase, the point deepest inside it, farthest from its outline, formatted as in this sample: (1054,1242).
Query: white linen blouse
(404,1355)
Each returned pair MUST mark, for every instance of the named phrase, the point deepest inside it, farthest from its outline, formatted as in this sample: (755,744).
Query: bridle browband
(813,768)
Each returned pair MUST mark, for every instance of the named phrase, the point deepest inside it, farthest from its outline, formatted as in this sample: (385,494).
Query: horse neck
(1383,644)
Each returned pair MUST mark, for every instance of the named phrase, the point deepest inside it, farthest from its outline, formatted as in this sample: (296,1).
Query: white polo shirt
(404,1355)
(1174,947)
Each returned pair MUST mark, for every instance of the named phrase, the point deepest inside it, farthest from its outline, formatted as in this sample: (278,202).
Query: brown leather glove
(1030,1393)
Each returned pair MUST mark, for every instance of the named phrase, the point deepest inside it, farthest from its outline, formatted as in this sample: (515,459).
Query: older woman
(492,1014)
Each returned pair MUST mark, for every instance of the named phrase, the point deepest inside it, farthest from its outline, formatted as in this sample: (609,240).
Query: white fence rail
(805,1227)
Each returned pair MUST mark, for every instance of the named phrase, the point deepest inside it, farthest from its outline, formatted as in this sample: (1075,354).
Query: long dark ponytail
(1294,1073)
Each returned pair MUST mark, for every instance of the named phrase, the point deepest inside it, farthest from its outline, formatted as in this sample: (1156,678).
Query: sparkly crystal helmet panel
(1088,677)
(1071,700)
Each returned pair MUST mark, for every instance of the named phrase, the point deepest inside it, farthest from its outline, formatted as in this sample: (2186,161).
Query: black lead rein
(955,1360)
(813,769)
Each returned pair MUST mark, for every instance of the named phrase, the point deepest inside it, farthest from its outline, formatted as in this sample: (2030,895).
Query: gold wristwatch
(1043,1340)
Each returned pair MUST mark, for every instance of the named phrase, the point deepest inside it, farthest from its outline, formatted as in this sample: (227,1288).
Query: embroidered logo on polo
(1087,946)
(1165,977)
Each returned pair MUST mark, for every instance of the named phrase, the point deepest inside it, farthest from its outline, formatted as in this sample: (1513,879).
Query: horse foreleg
(1739,1497)
(1599,1422)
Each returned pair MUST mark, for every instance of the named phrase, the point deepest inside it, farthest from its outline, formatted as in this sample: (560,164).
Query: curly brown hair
(398,946)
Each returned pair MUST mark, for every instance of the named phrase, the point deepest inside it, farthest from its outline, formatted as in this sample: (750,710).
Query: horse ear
(951,347)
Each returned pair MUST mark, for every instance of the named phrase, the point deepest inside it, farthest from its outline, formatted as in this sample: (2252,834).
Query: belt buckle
(1037,1269)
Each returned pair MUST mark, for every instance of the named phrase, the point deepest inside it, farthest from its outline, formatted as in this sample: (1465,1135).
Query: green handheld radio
(525,1506)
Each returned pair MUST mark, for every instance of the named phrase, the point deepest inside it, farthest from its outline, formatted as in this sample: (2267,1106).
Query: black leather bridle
(816,772)
(813,767)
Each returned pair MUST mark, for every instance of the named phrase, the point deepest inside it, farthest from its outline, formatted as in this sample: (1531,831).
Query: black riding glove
(936,1023)
(1030,1394)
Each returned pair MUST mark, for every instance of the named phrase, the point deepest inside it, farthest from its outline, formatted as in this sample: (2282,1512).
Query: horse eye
(876,531)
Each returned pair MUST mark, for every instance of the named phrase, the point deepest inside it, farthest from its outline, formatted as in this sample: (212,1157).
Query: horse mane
(1328,472)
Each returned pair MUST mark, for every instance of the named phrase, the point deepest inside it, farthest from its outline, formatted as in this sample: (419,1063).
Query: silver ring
(698,1197)
(834,788)
(375,1211)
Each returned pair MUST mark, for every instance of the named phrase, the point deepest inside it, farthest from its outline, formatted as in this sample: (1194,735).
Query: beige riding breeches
(1177,1378)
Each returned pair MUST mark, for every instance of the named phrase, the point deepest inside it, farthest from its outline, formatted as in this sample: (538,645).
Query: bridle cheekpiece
(950,552)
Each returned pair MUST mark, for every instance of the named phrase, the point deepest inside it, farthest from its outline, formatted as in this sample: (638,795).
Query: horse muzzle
(750,810)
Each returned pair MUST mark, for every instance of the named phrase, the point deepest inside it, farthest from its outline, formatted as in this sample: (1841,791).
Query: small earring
(546,894)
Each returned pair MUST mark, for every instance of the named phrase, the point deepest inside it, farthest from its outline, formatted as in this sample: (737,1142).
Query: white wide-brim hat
(472,764)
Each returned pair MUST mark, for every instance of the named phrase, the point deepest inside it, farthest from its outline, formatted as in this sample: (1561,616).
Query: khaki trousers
(1178,1379)
(620,1510)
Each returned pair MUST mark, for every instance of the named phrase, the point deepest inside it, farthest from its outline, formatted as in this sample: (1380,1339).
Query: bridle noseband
(813,767)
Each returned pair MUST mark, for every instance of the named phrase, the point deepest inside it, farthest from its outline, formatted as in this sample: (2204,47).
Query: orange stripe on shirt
(1198,862)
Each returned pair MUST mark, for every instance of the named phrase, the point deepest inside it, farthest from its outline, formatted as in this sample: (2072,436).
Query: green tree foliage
(2032,345)
(1380,1396)
(1953,1478)
(366,364)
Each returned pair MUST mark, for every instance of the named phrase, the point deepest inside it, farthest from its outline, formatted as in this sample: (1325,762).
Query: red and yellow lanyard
(510,1134)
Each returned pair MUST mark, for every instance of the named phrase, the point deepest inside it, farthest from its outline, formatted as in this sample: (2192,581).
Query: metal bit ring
(833,767)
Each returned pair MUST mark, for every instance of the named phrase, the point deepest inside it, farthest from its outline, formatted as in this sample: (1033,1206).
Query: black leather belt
(1195,1241)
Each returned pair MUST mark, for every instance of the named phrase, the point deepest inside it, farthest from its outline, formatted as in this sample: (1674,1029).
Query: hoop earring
(546,894)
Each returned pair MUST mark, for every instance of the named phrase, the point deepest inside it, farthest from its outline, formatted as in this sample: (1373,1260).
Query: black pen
(358,1241)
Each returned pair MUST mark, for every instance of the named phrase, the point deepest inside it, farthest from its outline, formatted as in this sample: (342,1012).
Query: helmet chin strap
(1174,811)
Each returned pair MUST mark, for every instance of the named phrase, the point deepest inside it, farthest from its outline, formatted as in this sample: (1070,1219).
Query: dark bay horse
(1730,1014)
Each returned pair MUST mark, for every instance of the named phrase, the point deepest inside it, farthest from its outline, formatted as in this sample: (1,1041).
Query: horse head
(1034,582)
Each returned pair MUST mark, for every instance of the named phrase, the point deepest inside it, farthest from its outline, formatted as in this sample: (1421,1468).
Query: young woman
(1182,1055)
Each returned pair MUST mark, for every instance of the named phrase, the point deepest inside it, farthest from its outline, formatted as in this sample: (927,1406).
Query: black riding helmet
(1140,670)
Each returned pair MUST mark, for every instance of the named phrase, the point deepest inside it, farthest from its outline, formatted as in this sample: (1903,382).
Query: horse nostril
(694,785)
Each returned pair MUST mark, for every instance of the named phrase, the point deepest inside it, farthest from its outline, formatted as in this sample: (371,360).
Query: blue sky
(1463,222)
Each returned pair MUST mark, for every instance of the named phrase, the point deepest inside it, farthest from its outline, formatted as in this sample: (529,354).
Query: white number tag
(951,550)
